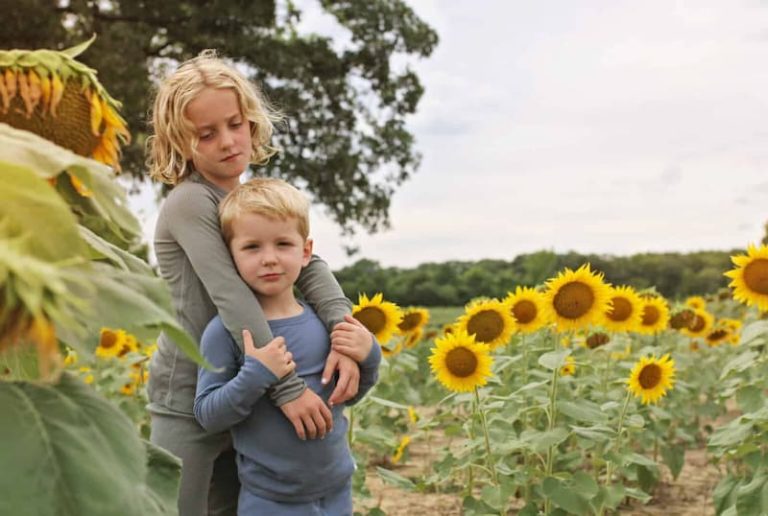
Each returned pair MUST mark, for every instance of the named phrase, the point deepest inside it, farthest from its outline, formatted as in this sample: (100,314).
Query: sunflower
(413,415)
(51,94)
(624,313)
(111,342)
(414,319)
(577,298)
(489,321)
(651,377)
(527,308)
(459,362)
(750,277)
(621,355)
(682,319)
(701,324)
(379,316)
(655,315)
(696,302)
(398,455)
(390,351)
(412,338)
(569,368)
(717,336)
(597,339)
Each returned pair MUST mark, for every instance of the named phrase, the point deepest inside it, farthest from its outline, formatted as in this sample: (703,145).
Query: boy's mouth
(272,276)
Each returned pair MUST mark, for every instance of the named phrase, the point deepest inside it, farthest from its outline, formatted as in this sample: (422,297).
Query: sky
(611,127)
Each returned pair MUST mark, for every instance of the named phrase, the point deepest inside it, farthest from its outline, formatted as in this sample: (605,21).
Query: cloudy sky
(614,127)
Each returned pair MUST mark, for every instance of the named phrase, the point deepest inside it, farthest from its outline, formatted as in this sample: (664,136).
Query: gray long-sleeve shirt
(272,461)
(196,263)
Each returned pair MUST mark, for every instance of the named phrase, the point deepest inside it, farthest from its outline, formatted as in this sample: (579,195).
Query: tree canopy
(345,99)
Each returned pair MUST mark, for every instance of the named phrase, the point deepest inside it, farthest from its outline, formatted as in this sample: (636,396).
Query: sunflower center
(681,319)
(650,376)
(597,339)
(573,300)
(108,339)
(410,322)
(651,315)
(697,324)
(485,325)
(372,318)
(461,362)
(621,310)
(717,335)
(524,311)
(756,276)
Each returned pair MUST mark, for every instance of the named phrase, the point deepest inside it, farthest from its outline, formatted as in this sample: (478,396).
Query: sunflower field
(570,397)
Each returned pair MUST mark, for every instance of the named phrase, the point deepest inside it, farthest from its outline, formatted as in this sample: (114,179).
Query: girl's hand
(351,338)
(275,356)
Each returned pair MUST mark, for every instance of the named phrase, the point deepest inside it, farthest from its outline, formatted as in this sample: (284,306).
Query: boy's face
(269,253)
(224,147)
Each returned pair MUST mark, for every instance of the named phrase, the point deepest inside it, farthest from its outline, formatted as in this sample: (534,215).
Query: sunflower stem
(552,417)
(350,429)
(620,428)
(488,455)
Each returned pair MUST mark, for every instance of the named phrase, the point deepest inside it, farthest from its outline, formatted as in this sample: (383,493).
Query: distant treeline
(674,275)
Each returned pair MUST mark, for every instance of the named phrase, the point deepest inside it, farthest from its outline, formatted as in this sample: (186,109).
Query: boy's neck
(280,306)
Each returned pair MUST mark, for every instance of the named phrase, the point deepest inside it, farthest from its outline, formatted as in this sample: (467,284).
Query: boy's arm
(369,372)
(227,397)
(195,226)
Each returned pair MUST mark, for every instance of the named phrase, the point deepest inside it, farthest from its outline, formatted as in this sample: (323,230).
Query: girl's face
(224,147)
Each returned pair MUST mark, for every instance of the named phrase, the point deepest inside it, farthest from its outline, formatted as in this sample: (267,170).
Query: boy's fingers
(340,392)
(330,367)
(353,321)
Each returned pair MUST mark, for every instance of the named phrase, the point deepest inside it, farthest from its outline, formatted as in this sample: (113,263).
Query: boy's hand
(274,355)
(349,377)
(309,415)
(352,339)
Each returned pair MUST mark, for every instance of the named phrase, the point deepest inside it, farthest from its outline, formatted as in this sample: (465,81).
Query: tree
(345,139)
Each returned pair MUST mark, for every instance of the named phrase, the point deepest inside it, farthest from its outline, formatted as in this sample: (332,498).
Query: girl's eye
(236,124)
(206,136)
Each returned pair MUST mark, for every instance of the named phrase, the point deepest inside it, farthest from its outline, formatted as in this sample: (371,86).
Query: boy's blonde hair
(175,138)
(273,198)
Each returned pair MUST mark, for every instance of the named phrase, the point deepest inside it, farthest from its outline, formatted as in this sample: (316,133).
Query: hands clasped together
(351,343)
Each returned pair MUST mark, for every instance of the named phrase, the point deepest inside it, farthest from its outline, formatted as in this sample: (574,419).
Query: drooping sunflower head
(749,279)
(696,302)
(412,338)
(414,319)
(655,315)
(489,321)
(717,336)
(700,325)
(577,298)
(51,94)
(597,339)
(681,318)
(460,363)
(651,378)
(625,311)
(527,308)
(390,350)
(379,316)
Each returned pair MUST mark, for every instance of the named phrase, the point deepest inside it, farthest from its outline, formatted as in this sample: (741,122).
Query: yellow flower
(459,362)
(414,319)
(701,324)
(129,389)
(88,376)
(577,298)
(389,352)
(398,455)
(149,350)
(489,321)
(412,338)
(682,319)
(527,308)
(655,315)
(750,277)
(71,358)
(111,342)
(651,378)
(413,415)
(130,345)
(597,339)
(569,368)
(625,312)
(696,302)
(717,336)
(379,316)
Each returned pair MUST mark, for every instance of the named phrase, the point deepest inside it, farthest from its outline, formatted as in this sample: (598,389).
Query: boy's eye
(249,247)
(285,244)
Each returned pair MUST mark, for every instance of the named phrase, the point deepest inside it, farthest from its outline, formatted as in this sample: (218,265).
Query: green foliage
(345,98)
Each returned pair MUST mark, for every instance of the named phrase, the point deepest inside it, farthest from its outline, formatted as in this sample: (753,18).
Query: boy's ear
(307,252)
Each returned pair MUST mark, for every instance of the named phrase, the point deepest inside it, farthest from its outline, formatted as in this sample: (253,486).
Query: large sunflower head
(489,321)
(655,315)
(700,325)
(577,298)
(625,310)
(459,362)
(379,316)
(414,319)
(750,277)
(651,378)
(49,93)
(527,308)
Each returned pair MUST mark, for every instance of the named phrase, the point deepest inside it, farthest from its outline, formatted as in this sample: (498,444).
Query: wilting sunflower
(527,308)
(489,321)
(651,377)
(569,368)
(111,342)
(750,277)
(625,311)
(696,302)
(459,362)
(701,324)
(577,298)
(51,94)
(379,316)
(414,318)
(412,338)
(655,315)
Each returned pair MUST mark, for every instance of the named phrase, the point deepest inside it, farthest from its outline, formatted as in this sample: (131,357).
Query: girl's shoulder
(191,198)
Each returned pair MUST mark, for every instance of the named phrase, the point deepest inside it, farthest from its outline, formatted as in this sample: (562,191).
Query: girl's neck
(281,306)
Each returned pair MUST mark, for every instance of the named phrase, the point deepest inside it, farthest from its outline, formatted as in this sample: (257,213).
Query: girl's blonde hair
(270,197)
(175,138)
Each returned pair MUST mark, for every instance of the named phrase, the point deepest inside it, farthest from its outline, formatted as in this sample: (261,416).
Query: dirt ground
(689,495)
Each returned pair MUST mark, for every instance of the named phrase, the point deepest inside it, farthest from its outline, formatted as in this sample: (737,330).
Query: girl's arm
(369,372)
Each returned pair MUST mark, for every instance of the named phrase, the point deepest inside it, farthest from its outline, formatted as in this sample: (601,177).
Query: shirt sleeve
(369,372)
(195,226)
(320,289)
(226,397)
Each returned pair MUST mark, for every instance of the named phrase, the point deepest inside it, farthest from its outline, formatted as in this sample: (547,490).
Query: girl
(209,124)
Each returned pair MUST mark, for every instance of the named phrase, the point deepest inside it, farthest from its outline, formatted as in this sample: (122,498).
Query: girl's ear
(307,254)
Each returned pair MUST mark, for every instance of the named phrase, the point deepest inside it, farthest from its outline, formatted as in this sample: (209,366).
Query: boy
(265,225)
